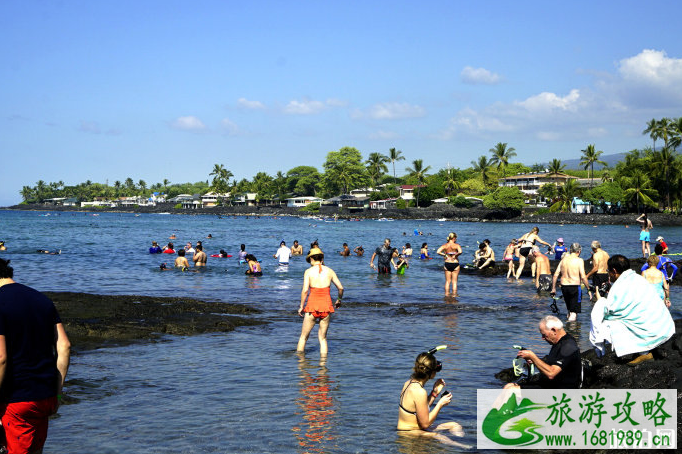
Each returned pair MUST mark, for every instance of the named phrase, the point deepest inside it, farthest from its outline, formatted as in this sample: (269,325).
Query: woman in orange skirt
(316,285)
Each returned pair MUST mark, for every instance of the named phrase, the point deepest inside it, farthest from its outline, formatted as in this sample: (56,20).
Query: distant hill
(611,160)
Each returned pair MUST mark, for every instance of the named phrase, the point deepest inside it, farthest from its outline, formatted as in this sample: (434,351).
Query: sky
(155,90)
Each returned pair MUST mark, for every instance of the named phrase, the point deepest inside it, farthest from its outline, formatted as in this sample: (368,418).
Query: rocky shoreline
(611,372)
(94,321)
(434,212)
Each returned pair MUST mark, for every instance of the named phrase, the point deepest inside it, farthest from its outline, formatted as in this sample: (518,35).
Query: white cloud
(251,105)
(479,76)
(304,107)
(229,127)
(390,111)
(333,102)
(642,86)
(545,102)
(188,123)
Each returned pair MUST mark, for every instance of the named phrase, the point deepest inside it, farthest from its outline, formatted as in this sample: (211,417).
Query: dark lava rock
(92,321)
(609,371)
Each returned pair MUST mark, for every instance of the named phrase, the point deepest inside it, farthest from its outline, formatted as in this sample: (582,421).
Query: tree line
(650,177)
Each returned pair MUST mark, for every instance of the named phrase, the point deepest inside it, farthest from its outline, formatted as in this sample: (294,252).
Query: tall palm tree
(418,171)
(117,188)
(639,188)
(664,130)
(483,167)
(393,156)
(165,185)
(450,182)
(221,177)
(676,139)
(26,193)
(143,186)
(663,162)
(376,166)
(501,155)
(589,158)
(652,130)
(556,167)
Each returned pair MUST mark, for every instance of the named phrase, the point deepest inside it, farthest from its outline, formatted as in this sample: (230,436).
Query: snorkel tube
(437,349)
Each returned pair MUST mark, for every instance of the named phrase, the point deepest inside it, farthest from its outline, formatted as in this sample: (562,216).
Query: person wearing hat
(660,241)
(560,249)
(317,281)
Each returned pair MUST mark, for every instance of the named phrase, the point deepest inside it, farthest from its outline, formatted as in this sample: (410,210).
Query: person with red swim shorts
(317,281)
(34,360)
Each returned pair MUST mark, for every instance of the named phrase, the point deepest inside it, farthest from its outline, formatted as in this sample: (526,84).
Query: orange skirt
(319,302)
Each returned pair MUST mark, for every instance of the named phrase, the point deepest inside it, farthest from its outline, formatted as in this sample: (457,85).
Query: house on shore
(304,201)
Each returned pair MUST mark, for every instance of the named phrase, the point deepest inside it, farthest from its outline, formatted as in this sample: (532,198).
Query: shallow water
(247,390)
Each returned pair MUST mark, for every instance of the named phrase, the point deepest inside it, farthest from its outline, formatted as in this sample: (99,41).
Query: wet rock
(92,321)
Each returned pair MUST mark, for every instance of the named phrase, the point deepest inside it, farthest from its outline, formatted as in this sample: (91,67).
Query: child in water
(401,265)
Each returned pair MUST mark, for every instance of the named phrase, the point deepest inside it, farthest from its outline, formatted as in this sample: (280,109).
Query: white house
(298,202)
(211,199)
(382,204)
(579,206)
(407,191)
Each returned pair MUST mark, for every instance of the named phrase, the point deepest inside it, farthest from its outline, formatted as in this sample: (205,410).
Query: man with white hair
(562,367)
(572,272)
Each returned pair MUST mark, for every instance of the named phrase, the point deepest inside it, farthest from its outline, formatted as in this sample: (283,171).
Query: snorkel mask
(439,365)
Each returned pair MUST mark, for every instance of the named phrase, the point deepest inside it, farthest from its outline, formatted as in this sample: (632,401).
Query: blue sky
(108,90)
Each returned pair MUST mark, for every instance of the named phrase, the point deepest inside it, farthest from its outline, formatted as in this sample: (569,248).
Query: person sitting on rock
(562,367)
(632,318)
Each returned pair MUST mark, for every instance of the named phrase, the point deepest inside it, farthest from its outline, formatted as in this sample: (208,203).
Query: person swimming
(242,253)
(424,252)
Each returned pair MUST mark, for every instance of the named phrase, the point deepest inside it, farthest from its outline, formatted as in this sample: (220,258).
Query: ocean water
(247,390)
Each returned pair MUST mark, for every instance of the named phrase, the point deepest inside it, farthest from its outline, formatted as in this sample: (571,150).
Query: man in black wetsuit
(562,367)
(385,254)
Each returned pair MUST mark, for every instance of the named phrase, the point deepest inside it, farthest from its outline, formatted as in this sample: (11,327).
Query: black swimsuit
(450,266)
(400,403)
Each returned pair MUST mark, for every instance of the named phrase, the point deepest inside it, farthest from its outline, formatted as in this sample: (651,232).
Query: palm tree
(501,155)
(221,177)
(664,129)
(589,158)
(143,186)
(676,139)
(26,193)
(393,156)
(652,130)
(450,182)
(376,166)
(663,162)
(483,167)
(556,167)
(165,185)
(639,188)
(418,171)
(565,195)
(117,187)
(606,175)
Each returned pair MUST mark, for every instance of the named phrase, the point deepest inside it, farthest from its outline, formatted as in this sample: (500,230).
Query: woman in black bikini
(451,251)
(526,243)
(415,417)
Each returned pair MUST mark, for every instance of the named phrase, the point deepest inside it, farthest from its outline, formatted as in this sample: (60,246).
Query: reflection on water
(315,433)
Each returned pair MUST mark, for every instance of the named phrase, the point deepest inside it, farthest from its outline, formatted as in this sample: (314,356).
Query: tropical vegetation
(650,177)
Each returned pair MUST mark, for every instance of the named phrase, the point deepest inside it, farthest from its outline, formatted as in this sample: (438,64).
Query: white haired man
(562,367)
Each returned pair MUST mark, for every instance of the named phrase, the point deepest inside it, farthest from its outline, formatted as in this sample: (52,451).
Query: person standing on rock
(645,234)
(599,271)
(317,281)
(34,360)
(543,275)
(572,272)
(526,243)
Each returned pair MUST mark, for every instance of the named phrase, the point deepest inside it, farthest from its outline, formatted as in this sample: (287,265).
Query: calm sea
(247,391)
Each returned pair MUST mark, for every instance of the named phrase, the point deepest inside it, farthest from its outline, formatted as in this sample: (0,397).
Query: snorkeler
(415,417)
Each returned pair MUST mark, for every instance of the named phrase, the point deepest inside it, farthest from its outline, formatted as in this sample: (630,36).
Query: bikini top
(400,403)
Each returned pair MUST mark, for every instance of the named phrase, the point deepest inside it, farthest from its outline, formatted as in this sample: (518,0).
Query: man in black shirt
(34,359)
(385,254)
(562,367)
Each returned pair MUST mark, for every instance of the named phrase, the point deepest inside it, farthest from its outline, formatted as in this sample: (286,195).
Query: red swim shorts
(25,424)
